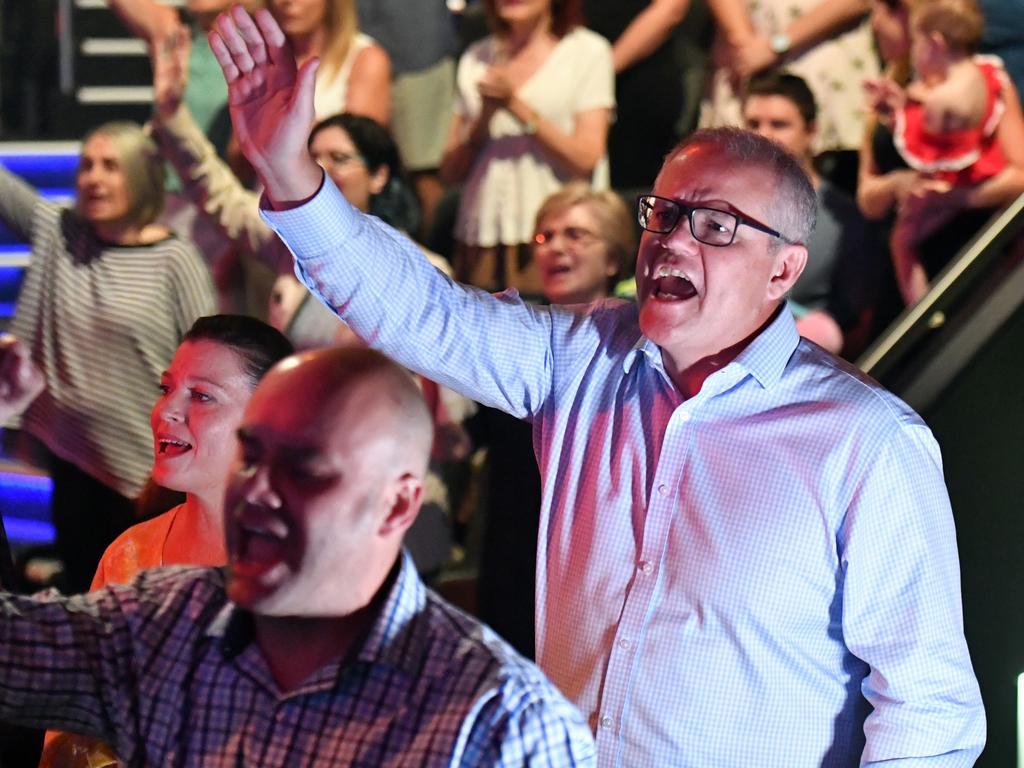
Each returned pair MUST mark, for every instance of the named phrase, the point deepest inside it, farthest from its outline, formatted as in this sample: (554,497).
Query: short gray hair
(794,208)
(142,165)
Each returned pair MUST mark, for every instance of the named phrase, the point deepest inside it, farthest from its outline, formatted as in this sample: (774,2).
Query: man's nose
(259,488)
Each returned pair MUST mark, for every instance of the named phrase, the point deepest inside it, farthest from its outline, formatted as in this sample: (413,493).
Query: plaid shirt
(166,670)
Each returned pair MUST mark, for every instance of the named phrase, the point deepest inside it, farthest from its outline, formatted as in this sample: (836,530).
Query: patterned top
(763,574)
(103,322)
(834,70)
(513,174)
(166,670)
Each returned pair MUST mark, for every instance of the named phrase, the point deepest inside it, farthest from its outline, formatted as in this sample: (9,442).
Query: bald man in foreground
(318,645)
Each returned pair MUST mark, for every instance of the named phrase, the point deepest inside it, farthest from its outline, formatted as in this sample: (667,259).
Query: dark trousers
(88,516)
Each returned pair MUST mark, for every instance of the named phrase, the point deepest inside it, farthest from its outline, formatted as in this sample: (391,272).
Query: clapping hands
(496,87)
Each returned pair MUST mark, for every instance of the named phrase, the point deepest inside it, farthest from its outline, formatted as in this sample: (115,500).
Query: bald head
(362,392)
(334,450)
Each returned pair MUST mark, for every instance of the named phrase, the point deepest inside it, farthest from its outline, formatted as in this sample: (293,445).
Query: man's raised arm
(496,350)
(271,103)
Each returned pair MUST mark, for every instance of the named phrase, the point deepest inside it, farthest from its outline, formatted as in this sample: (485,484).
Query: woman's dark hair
(257,344)
(565,15)
(396,203)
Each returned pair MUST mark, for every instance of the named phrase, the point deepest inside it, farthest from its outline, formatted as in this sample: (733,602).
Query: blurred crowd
(510,139)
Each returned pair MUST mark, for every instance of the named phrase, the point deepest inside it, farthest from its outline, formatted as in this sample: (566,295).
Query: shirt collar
(393,639)
(764,358)
(398,638)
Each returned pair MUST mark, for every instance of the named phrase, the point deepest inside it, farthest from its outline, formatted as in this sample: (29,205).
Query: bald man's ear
(404,499)
(790,261)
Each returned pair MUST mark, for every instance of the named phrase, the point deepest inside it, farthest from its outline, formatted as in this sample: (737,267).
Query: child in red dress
(945,123)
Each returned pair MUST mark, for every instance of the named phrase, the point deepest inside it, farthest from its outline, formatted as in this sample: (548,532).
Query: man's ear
(404,499)
(789,264)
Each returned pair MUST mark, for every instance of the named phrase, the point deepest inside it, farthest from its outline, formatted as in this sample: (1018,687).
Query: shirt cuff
(317,225)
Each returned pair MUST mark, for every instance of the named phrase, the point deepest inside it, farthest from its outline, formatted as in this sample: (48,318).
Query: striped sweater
(102,321)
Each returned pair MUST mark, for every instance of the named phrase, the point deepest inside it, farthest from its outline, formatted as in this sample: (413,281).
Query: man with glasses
(746,552)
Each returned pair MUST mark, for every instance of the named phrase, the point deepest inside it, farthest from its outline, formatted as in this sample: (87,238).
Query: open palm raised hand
(271,101)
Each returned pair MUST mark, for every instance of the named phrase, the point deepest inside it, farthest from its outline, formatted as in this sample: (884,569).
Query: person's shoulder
(610,324)
(134,550)
(468,649)
(155,588)
(840,385)
(180,257)
(832,196)
(482,50)
(177,590)
(369,58)
(587,42)
(839,206)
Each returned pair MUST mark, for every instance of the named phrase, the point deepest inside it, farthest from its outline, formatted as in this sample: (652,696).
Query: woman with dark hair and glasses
(359,156)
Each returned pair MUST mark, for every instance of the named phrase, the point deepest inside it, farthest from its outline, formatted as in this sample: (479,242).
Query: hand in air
(756,55)
(271,101)
(20,380)
(169,58)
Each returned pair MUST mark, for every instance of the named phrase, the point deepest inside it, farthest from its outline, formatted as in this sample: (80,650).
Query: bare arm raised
(271,102)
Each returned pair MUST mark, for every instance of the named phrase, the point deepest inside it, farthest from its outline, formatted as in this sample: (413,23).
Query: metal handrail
(928,315)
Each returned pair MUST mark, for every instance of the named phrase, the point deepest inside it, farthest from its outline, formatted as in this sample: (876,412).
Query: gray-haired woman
(107,297)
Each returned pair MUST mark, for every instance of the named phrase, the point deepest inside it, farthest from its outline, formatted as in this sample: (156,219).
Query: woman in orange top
(203,393)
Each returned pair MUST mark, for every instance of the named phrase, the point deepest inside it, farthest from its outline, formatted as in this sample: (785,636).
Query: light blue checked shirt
(762,575)
(166,670)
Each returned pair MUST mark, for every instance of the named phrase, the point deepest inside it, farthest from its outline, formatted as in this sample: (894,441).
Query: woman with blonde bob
(106,298)
(584,244)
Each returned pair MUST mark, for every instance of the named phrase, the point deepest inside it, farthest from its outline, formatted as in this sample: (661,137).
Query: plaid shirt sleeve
(537,731)
(66,663)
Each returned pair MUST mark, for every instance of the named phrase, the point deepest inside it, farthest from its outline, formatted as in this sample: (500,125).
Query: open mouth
(559,270)
(671,284)
(170,447)
(260,544)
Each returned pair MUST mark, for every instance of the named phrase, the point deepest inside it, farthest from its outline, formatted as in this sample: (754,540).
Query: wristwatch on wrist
(780,43)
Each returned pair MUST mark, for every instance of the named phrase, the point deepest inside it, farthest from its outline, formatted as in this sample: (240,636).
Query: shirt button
(663,490)
(645,566)
(624,643)
(684,416)
(606,722)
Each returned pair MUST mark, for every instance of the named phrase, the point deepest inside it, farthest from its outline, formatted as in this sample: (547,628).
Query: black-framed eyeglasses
(710,226)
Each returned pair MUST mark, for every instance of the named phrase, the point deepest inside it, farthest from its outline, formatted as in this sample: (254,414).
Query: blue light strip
(22,531)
